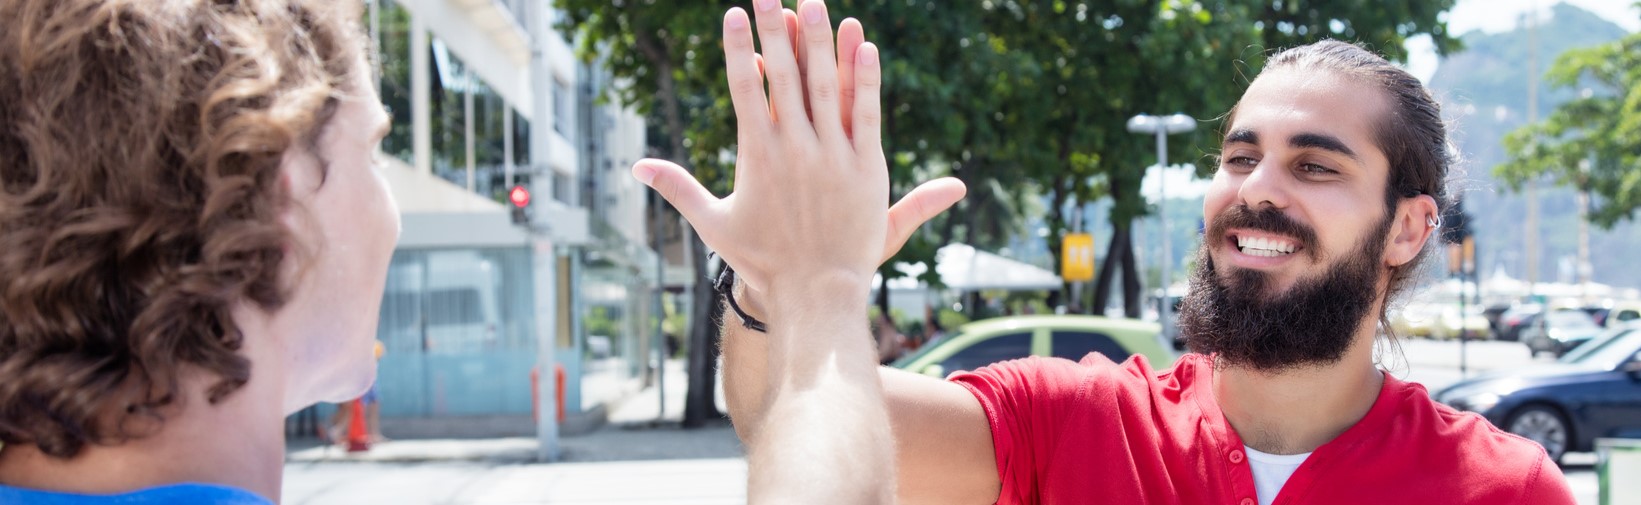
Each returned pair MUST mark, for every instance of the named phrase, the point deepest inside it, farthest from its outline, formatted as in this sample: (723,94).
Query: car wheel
(1543,425)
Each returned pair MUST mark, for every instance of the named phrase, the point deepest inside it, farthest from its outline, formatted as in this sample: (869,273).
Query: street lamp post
(1162,127)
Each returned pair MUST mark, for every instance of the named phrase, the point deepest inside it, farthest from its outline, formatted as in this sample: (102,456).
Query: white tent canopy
(963,268)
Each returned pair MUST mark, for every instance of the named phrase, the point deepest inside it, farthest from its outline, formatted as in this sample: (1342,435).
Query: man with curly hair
(193,241)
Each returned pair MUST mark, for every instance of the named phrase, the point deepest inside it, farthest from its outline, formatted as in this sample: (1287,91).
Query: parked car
(1414,320)
(1450,324)
(1592,392)
(984,342)
(1614,314)
(1517,317)
(1559,332)
(1495,317)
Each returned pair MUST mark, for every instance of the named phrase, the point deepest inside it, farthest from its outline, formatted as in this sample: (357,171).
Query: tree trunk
(1107,270)
(700,402)
(883,290)
(1130,277)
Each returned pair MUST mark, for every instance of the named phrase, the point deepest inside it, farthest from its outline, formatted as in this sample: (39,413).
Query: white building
(485,95)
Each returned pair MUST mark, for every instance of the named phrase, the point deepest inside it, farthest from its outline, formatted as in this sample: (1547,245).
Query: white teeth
(1264,247)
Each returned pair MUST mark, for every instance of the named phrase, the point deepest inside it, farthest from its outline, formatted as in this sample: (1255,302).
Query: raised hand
(811,184)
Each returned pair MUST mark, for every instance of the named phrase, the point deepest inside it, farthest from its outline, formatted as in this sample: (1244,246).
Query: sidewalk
(640,457)
(636,430)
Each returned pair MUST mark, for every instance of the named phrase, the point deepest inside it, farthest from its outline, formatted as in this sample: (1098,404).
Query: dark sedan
(1592,392)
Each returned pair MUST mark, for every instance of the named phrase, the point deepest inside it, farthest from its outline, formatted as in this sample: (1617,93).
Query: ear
(1411,229)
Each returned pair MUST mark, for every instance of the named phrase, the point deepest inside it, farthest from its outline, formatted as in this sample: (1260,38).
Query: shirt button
(1247,501)
(1236,457)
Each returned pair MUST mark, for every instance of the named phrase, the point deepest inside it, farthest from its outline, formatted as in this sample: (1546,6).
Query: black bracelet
(726,286)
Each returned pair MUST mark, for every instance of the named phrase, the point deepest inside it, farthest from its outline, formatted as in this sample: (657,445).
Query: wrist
(817,293)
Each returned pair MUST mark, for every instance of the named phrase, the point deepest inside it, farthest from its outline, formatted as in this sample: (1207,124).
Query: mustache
(1266,219)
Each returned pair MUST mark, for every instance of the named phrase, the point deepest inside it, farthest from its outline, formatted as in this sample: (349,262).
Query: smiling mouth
(1265,247)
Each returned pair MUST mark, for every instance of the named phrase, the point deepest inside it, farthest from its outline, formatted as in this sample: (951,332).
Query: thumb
(922,204)
(678,187)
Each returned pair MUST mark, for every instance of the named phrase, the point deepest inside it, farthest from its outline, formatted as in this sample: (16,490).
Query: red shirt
(1099,432)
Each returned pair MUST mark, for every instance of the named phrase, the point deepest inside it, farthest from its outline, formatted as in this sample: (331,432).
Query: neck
(1295,411)
(239,442)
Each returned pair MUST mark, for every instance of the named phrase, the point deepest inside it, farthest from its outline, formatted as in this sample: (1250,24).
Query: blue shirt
(202,494)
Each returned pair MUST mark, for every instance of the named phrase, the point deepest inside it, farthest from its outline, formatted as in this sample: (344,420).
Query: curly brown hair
(140,151)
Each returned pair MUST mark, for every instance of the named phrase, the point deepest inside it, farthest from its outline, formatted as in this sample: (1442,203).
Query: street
(634,461)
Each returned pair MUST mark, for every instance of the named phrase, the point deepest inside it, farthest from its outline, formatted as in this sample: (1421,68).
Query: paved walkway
(642,457)
(683,482)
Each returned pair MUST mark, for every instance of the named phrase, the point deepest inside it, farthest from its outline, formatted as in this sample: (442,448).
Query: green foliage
(1014,97)
(951,320)
(599,322)
(1593,142)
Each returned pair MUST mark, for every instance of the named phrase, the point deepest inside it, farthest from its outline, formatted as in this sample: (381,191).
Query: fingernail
(737,19)
(814,14)
(768,5)
(868,55)
(644,172)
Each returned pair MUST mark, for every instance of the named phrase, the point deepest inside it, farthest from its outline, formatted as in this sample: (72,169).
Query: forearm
(824,401)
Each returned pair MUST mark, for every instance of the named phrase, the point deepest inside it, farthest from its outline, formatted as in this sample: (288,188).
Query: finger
(868,122)
(850,37)
(680,189)
(761,73)
(746,85)
(780,63)
(794,34)
(821,69)
(922,204)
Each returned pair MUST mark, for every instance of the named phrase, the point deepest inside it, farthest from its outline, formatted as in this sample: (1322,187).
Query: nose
(1265,186)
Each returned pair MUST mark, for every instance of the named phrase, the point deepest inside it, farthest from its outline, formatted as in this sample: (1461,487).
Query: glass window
(453,322)
(521,141)
(1628,315)
(1074,345)
(988,351)
(561,108)
(449,82)
(393,55)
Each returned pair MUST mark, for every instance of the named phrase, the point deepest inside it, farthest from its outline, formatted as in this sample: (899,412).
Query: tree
(669,53)
(1592,143)
(1010,96)
(1098,65)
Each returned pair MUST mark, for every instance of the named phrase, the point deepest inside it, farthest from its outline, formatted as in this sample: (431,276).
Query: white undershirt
(1271,471)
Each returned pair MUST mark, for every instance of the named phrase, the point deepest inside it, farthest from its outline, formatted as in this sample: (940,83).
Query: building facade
(486,95)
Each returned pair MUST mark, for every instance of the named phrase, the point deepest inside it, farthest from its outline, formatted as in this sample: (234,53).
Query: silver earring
(1434,221)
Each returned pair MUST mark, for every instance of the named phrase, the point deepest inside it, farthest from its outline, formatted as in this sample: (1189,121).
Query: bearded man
(1331,180)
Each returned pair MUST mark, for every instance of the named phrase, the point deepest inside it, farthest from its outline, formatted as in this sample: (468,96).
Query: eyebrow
(1324,142)
(1300,141)
(1242,136)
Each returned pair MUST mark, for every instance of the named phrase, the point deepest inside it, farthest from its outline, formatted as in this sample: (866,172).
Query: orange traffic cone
(358,436)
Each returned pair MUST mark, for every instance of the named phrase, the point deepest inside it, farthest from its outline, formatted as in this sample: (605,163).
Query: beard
(1235,316)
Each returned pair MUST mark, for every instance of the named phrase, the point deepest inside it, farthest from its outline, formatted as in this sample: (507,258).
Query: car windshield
(1571,319)
(925,349)
(1607,351)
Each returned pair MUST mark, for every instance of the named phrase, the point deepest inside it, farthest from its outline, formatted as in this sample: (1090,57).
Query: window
(1628,315)
(992,350)
(561,108)
(394,57)
(1074,345)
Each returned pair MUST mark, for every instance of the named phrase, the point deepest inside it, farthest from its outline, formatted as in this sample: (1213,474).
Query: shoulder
(1095,383)
(1473,454)
(177,493)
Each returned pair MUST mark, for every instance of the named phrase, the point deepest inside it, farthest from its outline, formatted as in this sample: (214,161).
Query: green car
(981,343)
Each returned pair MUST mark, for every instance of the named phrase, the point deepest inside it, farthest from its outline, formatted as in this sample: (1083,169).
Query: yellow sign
(1077,257)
